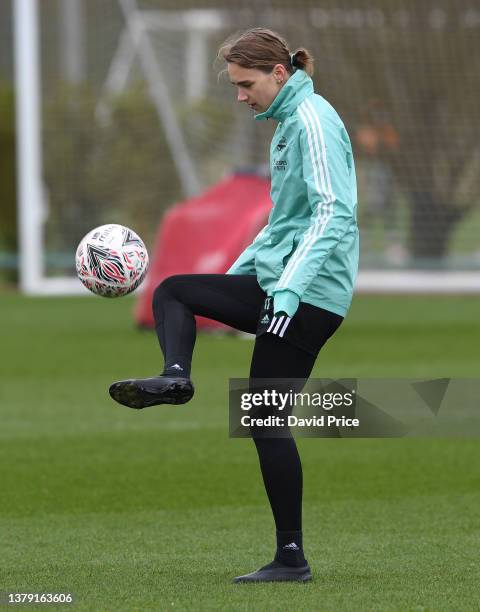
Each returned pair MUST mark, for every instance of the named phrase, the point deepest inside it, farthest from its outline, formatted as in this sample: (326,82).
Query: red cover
(205,234)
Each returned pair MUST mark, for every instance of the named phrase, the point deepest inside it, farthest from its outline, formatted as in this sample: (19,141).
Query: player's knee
(162,291)
(271,448)
(167,289)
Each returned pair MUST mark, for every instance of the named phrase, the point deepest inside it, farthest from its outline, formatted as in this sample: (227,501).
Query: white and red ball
(111,260)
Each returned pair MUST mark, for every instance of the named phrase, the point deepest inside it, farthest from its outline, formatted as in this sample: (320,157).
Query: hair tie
(292,59)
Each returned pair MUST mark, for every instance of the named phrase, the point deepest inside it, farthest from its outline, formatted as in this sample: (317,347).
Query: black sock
(177,369)
(290,548)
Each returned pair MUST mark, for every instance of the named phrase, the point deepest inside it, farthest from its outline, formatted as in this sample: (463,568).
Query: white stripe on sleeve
(318,159)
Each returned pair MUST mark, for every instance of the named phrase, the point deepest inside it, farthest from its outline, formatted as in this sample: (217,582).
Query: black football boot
(278,572)
(143,392)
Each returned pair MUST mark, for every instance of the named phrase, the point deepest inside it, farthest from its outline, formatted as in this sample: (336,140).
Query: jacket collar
(298,87)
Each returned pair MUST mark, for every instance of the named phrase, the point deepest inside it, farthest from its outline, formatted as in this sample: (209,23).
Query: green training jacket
(310,244)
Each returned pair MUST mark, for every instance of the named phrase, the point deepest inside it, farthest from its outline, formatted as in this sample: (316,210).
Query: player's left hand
(285,302)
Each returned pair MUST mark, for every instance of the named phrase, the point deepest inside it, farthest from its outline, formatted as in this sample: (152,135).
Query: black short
(308,329)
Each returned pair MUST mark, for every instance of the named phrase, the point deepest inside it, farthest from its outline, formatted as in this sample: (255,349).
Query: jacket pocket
(282,252)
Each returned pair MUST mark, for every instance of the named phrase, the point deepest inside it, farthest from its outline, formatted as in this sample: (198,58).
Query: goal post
(30,190)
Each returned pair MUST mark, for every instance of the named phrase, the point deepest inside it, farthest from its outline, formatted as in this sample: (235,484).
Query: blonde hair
(263,49)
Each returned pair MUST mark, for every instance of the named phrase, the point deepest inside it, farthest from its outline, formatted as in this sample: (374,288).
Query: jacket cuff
(285,301)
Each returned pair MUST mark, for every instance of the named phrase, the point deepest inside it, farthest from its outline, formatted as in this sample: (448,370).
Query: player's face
(256,88)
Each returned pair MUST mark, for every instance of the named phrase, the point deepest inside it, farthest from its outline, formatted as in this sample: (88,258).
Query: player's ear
(279,73)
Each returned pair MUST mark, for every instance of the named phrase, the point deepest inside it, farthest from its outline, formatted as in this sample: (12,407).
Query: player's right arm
(245,263)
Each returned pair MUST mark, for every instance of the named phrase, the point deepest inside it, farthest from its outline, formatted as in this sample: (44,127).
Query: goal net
(120,114)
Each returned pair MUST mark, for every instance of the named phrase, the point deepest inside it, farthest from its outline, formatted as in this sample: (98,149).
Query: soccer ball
(111,260)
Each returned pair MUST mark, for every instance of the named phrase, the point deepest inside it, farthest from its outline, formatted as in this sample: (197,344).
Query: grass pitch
(159,509)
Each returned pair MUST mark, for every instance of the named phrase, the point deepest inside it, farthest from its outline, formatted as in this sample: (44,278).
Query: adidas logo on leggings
(279,325)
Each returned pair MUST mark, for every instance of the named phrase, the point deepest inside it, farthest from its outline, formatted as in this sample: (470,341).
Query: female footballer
(292,287)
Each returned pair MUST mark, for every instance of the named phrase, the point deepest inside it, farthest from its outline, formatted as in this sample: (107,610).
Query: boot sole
(133,395)
(270,577)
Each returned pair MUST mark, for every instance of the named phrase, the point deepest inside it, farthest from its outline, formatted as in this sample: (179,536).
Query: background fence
(134,116)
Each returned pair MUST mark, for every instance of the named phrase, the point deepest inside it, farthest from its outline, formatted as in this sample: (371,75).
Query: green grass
(159,509)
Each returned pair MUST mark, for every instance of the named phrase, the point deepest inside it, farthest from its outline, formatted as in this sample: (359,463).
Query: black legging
(237,300)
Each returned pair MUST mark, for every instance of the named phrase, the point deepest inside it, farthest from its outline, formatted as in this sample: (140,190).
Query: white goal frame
(31,203)
(30,197)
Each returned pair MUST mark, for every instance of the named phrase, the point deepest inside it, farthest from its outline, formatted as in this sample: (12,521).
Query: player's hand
(285,302)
